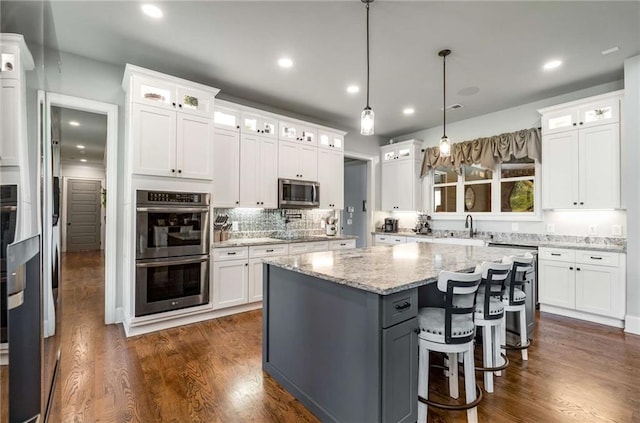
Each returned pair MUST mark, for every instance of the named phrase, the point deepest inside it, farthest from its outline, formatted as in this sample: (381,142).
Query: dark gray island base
(340,328)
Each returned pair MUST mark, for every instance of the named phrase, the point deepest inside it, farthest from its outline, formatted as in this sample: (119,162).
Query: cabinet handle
(270,250)
(575,203)
(596,258)
(570,268)
(343,244)
(231,254)
(578,269)
(403,306)
(173,104)
(581,203)
(574,124)
(580,123)
(556,254)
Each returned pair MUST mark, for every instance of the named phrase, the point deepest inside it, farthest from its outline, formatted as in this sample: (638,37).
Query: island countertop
(389,269)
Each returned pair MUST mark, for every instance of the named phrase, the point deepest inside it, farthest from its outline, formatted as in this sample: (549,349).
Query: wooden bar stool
(514,298)
(450,330)
(489,316)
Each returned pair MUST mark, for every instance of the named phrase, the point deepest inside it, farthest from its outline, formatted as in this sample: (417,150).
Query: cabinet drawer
(399,307)
(342,245)
(597,258)
(556,254)
(231,253)
(269,250)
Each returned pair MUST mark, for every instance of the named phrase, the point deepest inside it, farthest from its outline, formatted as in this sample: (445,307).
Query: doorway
(354,214)
(83,215)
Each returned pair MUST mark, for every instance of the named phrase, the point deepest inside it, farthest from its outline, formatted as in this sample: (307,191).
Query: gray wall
(630,187)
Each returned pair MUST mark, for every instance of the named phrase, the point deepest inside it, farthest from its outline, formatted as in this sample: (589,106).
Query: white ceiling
(91,133)
(498,48)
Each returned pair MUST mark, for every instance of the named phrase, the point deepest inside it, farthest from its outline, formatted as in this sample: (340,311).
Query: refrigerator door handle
(15,288)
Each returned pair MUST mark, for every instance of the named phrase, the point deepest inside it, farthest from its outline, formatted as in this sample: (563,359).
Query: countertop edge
(246,242)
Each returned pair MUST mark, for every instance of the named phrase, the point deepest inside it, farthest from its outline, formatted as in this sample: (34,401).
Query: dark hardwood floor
(211,371)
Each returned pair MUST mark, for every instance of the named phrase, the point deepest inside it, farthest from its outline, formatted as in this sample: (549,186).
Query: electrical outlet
(234,226)
(551,228)
(616,230)
(593,229)
(349,222)
(515,227)
(322,224)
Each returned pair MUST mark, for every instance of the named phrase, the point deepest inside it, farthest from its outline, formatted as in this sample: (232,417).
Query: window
(507,190)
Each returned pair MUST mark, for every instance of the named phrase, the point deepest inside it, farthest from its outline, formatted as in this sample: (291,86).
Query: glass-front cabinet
(254,123)
(331,140)
(226,117)
(598,112)
(193,101)
(160,93)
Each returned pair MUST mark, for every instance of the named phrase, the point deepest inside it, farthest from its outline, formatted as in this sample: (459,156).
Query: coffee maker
(390,224)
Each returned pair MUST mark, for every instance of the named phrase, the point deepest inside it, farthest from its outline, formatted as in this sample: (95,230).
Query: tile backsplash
(261,223)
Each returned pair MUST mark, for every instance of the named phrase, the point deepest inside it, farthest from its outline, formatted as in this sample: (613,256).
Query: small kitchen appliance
(331,226)
(390,224)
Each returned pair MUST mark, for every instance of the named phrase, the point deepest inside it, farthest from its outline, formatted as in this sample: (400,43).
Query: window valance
(487,151)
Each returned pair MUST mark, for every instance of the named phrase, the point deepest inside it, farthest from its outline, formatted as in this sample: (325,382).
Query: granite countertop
(248,242)
(388,269)
(591,246)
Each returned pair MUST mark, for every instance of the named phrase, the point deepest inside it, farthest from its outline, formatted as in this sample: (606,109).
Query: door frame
(373,162)
(110,234)
(64,216)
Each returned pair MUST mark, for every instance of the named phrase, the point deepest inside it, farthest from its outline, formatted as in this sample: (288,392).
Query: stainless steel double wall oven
(172,251)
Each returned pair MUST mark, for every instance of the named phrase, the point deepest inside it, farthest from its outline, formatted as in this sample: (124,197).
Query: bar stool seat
(431,322)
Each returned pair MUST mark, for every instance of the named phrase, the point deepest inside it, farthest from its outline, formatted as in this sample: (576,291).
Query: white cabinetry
(254,123)
(308,247)
(328,139)
(230,277)
(345,244)
(389,239)
(226,168)
(581,154)
(170,124)
(256,254)
(331,178)
(9,128)
(226,116)
(297,160)
(584,284)
(401,185)
(258,171)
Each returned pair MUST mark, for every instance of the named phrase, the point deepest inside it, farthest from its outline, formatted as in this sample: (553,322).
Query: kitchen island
(340,328)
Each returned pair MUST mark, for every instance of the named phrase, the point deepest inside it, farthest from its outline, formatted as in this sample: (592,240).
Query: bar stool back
(514,298)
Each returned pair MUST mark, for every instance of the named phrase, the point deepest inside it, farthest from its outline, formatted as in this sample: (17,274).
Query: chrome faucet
(470,226)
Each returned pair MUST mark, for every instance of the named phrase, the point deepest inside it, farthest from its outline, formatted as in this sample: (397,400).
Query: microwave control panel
(155,197)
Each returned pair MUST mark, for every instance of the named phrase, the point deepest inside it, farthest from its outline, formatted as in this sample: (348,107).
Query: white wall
(75,171)
(631,188)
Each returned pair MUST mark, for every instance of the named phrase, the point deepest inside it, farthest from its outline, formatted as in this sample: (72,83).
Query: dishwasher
(530,289)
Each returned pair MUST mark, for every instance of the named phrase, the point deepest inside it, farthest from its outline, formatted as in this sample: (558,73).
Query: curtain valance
(487,152)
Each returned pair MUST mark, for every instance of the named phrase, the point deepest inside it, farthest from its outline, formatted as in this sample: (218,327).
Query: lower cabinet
(389,239)
(590,283)
(342,244)
(230,279)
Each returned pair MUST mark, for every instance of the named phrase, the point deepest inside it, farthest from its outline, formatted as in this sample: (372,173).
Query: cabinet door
(194,102)
(193,147)
(154,140)
(9,122)
(268,173)
(226,168)
(560,170)
(405,185)
(389,184)
(325,178)
(298,248)
(250,123)
(152,92)
(309,135)
(288,131)
(337,187)
(230,283)
(602,112)
(255,280)
(559,121)
(226,117)
(599,167)
(346,244)
(324,139)
(400,372)
(557,283)
(597,290)
(249,165)
(288,157)
(308,163)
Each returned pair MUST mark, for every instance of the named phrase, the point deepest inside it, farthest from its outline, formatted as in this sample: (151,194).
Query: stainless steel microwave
(294,194)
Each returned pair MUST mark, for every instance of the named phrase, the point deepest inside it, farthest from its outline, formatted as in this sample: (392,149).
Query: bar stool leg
(423,383)
(453,375)
(487,357)
(523,333)
(469,384)
(496,336)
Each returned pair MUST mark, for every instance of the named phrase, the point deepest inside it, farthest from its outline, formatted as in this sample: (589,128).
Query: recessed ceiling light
(352,89)
(285,62)
(152,11)
(83,160)
(409,111)
(80,147)
(74,123)
(552,64)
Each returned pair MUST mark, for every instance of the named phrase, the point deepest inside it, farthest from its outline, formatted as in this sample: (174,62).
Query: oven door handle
(176,209)
(8,208)
(165,262)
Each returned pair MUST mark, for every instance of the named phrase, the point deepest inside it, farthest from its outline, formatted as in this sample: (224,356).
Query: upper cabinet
(169,125)
(581,154)
(226,116)
(327,139)
(291,131)
(258,124)
(331,178)
(401,185)
(297,161)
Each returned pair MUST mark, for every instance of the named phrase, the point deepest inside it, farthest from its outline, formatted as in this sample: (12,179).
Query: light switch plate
(616,230)
(593,229)
(234,226)
(349,221)
(515,227)
(551,228)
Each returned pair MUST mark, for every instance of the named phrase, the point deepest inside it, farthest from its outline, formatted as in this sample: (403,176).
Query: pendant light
(445,145)
(367,117)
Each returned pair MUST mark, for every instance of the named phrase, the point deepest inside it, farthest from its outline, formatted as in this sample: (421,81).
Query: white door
(288,153)
(390,181)
(193,147)
(154,140)
(600,167)
(83,215)
(557,284)
(325,177)
(560,170)
(226,168)
(255,280)
(308,163)
(596,289)
(268,173)
(230,283)
(249,166)
(9,105)
(405,184)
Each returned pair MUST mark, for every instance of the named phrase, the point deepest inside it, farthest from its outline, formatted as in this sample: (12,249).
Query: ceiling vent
(453,107)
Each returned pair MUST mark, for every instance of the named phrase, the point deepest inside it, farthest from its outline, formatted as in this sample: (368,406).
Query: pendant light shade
(445,145)
(367,117)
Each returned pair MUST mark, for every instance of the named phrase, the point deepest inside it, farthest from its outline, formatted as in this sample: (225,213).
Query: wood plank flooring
(211,371)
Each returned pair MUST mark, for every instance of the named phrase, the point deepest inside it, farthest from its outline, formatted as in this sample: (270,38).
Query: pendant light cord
(444,96)
(367,5)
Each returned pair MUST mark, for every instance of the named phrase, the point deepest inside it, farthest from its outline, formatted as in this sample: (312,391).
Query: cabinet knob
(261,202)
(258,203)
(246,264)
(578,269)
(570,268)
(580,123)
(180,105)
(237,202)
(575,203)
(574,124)
(173,171)
(173,104)
(179,170)
(237,126)
(581,203)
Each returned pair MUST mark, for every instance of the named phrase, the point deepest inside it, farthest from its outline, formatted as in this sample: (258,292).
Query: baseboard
(575,314)
(119,315)
(632,324)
